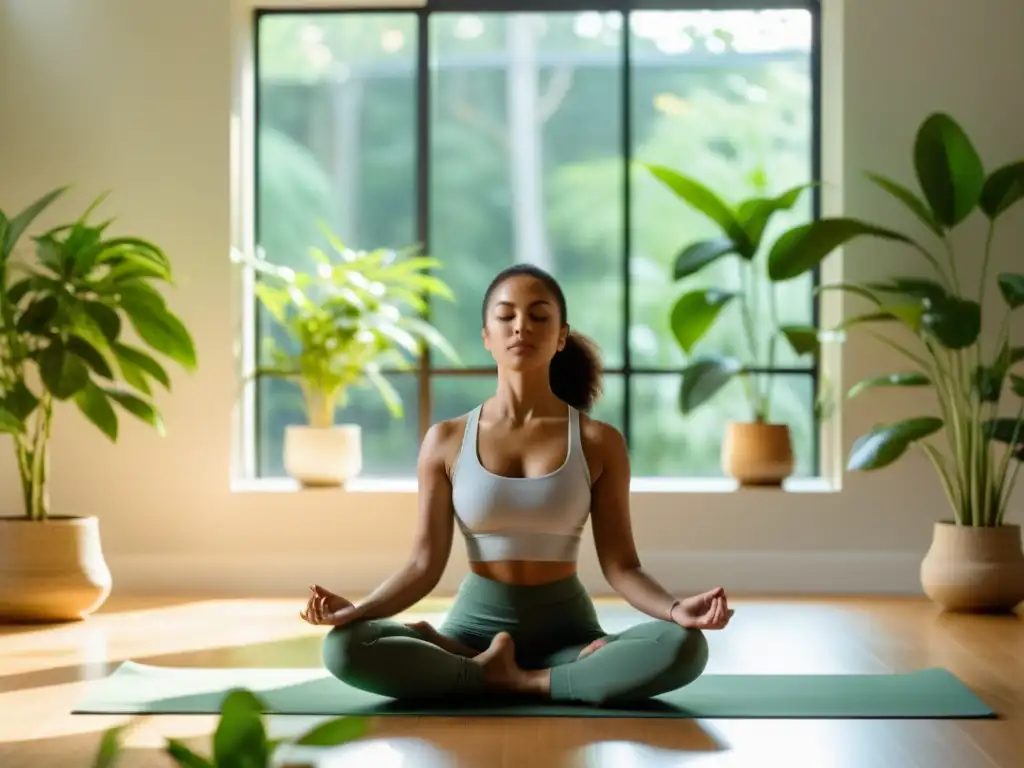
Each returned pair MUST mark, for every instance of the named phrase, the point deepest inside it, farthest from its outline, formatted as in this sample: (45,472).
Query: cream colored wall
(135,96)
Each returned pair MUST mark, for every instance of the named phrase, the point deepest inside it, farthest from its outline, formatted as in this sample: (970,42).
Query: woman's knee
(343,650)
(689,654)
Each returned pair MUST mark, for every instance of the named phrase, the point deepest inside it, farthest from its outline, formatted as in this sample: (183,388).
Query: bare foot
(591,648)
(501,672)
(431,635)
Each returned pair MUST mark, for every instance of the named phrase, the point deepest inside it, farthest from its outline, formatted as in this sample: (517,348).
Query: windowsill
(639,485)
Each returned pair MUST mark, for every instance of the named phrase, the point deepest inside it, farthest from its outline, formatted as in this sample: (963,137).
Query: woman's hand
(324,608)
(707,611)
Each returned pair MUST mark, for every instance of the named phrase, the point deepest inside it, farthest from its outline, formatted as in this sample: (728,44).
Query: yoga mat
(929,693)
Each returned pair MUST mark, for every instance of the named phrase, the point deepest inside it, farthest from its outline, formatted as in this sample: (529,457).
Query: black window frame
(425,372)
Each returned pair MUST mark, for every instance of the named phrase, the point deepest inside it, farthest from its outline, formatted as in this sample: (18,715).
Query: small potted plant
(64,320)
(240,738)
(352,316)
(757,452)
(975,561)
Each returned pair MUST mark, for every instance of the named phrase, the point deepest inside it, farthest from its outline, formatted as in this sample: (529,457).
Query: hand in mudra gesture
(324,608)
(709,610)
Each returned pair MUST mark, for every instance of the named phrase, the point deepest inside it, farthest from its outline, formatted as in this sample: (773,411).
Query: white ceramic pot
(51,570)
(323,457)
(974,569)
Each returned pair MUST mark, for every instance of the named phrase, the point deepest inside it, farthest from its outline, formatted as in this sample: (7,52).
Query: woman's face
(523,329)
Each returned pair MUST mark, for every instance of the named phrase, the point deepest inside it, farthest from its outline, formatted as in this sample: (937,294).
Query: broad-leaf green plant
(64,316)
(240,739)
(943,321)
(353,316)
(741,237)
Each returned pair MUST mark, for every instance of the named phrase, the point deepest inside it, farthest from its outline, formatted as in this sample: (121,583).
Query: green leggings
(550,624)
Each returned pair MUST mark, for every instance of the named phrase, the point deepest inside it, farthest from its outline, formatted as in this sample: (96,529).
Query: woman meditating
(519,475)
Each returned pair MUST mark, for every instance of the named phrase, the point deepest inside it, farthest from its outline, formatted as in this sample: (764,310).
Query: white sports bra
(521,518)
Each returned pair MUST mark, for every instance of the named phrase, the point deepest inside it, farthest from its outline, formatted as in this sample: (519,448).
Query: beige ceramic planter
(757,454)
(974,569)
(51,570)
(323,457)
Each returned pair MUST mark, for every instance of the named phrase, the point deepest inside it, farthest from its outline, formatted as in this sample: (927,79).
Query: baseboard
(750,573)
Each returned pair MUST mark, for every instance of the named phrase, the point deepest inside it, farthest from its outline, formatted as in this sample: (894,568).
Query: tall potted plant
(351,317)
(64,319)
(757,452)
(975,561)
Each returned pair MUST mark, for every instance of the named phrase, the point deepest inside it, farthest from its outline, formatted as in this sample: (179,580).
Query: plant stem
(1003,488)
(952,263)
(748,327)
(773,314)
(984,263)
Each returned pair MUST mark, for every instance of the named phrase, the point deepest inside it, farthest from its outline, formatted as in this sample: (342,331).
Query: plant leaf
(707,202)
(915,204)
(802,338)
(694,313)
(110,746)
(949,169)
(392,400)
(802,248)
(20,401)
(955,322)
(696,256)
(916,287)
(90,356)
(885,444)
(1004,430)
(703,378)
(10,424)
(1003,188)
(63,373)
(334,732)
(136,365)
(1012,288)
(160,329)
(184,756)
(1017,384)
(240,738)
(137,407)
(859,290)
(754,214)
(93,403)
(910,379)
(16,226)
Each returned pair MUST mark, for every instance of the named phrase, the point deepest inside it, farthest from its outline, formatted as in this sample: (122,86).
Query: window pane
(390,445)
(667,444)
(455,395)
(525,141)
(718,96)
(336,144)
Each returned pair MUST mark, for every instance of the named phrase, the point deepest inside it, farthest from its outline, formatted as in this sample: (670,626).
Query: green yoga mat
(929,693)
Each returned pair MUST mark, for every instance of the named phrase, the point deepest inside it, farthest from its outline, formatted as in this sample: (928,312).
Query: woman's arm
(435,528)
(613,531)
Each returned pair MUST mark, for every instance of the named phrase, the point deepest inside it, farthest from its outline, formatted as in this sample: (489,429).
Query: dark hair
(576,370)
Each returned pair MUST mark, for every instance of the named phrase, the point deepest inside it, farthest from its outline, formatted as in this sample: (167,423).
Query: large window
(495,137)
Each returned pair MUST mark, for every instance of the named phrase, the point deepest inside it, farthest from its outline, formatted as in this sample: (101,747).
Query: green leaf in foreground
(885,444)
(334,732)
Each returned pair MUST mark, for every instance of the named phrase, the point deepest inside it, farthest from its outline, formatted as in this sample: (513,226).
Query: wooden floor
(43,671)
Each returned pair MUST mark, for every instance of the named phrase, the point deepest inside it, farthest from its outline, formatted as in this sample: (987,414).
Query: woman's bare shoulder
(443,441)
(603,445)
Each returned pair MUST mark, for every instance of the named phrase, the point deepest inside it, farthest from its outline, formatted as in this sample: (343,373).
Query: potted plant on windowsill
(63,320)
(975,561)
(757,452)
(352,317)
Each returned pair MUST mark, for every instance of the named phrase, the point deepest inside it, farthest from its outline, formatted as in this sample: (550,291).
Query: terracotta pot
(974,569)
(323,457)
(758,454)
(51,570)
